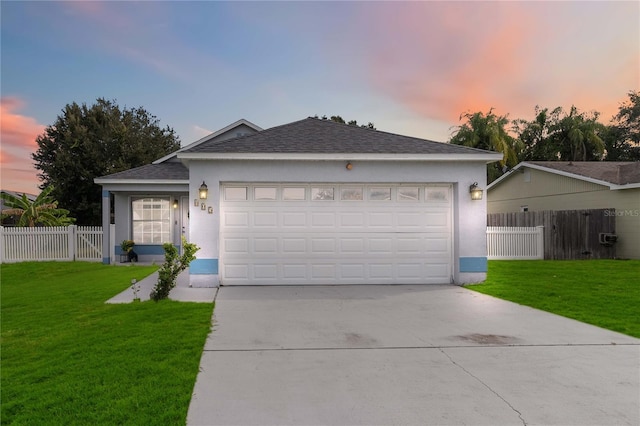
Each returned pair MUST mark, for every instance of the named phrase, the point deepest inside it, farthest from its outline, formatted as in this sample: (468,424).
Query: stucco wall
(539,190)
(469,217)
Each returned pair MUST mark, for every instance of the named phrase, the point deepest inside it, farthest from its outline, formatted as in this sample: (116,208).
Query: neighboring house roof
(151,173)
(213,135)
(30,197)
(614,174)
(318,136)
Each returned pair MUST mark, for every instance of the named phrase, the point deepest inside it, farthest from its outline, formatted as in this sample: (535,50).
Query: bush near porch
(605,293)
(69,358)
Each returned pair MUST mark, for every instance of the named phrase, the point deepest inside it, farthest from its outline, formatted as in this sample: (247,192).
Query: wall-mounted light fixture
(349,166)
(475,191)
(175,204)
(203,191)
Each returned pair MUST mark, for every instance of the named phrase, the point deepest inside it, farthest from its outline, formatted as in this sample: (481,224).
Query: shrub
(171,268)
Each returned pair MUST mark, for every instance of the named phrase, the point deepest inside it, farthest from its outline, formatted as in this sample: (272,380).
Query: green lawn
(70,359)
(605,293)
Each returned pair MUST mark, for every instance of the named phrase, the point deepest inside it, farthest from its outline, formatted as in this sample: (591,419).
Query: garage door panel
(323,271)
(236,219)
(381,220)
(295,272)
(352,245)
(294,219)
(352,220)
(294,245)
(323,245)
(352,270)
(235,245)
(265,219)
(265,271)
(323,220)
(265,245)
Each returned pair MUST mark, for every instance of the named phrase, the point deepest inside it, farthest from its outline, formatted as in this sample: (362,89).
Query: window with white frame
(151,220)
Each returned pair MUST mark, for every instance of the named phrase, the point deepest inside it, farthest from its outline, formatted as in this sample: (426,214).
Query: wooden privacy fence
(568,234)
(515,242)
(51,243)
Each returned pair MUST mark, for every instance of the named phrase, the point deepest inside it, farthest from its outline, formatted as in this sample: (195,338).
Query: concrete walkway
(411,355)
(181,292)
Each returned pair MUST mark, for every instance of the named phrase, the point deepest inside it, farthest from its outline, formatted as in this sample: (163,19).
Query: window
(408,193)
(379,194)
(437,193)
(351,194)
(262,194)
(293,194)
(235,193)
(151,220)
(324,193)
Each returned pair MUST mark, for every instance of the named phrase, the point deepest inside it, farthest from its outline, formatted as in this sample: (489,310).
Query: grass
(605,293)
(69,358)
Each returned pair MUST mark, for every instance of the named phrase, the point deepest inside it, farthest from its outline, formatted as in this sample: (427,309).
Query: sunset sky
(409,67)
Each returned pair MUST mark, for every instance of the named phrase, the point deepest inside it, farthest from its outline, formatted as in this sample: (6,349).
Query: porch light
(349,166)
(203,191)
(476,193)
(175,204)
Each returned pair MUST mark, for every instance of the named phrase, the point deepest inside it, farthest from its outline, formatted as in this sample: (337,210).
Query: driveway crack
(485,385)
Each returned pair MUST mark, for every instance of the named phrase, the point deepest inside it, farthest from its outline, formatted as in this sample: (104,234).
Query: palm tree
(41,211)
(488,132)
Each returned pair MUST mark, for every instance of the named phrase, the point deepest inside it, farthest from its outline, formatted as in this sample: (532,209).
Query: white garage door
(335,234)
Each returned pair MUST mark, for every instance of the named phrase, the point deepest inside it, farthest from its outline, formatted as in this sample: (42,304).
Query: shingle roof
(317,136)
(163,171)
(616,172)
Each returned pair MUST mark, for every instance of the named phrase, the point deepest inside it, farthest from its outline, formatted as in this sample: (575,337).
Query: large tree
(622,138)
(488,131)
(90,141)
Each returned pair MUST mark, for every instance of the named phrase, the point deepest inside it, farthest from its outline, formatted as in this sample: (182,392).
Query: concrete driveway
(423,355)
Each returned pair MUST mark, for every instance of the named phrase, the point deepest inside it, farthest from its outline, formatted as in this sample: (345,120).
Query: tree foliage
(622,139)
(339,119)
(557,135)
(86,142)
(41,211)
(488,131)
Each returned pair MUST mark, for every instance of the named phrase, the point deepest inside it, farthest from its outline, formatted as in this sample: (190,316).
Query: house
(555,185)
(309,202)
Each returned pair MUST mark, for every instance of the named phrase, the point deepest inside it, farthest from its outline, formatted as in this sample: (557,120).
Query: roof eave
(611,186)
(107,181)
(488,157)
(209,137)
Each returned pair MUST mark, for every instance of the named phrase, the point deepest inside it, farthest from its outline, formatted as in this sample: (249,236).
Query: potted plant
(127,250)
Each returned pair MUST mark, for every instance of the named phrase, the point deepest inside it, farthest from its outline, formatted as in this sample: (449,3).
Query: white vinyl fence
(515,242)
(21,244)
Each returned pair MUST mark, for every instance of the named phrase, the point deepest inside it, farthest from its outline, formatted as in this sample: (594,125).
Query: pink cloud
(18,134)
(441,59)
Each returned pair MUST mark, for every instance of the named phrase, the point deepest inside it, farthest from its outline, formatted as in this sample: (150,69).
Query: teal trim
(473,264)
(106,260)
(105,194)
(203,267)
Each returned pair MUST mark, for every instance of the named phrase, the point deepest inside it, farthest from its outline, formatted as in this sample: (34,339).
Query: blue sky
(409,67)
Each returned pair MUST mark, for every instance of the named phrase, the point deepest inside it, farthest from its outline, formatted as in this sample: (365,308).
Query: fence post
(1,244)
(540,241)
(71,235)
